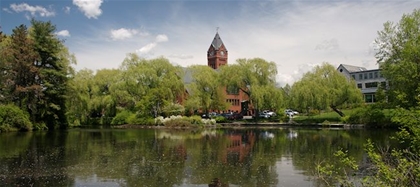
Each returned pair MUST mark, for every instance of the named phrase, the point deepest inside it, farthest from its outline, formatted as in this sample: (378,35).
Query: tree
(254,77)
(206,88)
(398,56)
(20,74)
(325,87)
(54,65)
(79,96)
(153,84)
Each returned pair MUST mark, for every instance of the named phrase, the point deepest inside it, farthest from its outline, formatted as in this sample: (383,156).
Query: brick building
(217,56)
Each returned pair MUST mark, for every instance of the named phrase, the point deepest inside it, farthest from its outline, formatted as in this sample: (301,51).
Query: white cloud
(147,48)
(122,33)
(64,33)
(67,9)
(7,10)
(91,8)
(161,38)
(34,10)
(294,35)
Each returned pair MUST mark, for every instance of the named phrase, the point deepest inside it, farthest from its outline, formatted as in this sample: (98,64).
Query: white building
(366,80)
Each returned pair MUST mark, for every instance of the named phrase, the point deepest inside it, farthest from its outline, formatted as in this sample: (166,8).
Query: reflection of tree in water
(40,165)
(217,183)
(236,157)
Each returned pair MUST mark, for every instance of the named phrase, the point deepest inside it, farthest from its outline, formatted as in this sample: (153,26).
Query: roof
(217,41)
(352,69)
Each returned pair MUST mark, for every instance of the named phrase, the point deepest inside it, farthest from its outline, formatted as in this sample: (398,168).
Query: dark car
(236,116)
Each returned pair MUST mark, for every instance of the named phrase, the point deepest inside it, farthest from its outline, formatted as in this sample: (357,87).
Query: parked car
(270,113)
(290,112)
(263,115)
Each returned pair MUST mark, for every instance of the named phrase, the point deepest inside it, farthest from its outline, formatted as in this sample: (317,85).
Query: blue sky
(296,35)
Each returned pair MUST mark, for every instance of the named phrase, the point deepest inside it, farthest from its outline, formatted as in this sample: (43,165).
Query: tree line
(37,78)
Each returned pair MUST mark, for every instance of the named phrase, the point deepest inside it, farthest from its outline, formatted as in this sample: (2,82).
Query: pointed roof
(217,41)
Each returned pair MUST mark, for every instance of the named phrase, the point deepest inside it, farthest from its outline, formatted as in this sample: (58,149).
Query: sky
(295,34)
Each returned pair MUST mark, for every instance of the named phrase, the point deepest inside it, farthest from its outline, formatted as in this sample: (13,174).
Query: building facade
(366,80)
(217,56)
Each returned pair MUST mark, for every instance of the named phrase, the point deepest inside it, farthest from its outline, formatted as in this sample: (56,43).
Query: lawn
(332,117)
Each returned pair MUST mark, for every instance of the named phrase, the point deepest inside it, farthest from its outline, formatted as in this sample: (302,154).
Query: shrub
(173,109)
(137,120)
(176,121)
(183,121)
(370,115)
(221,119)
(13,118)
(194,120)
(40,126)
(121,118)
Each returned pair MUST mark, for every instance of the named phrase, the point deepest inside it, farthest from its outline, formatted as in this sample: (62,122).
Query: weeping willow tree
(206,93)
(256,78)
(324,87)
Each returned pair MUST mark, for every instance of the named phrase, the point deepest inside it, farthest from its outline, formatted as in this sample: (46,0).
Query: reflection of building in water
(239,146)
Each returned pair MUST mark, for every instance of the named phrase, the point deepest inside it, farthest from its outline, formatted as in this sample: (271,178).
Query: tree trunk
(339,112)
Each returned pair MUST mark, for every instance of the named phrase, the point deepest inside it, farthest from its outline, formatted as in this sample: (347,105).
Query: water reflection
(161,157)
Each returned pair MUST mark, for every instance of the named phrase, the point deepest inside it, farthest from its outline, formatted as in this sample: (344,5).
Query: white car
(291,112)
(269,113)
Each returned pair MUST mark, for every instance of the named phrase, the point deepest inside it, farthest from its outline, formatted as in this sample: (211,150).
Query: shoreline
(250,125)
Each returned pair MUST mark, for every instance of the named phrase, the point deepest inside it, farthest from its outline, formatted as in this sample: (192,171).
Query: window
(370,75)
(360,77)
(365,76)
(359,85)
(370,98)
(371,85)
(376,74)
(233,102)
(354,77)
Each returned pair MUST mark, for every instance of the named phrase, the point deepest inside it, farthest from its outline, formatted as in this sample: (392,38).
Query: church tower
(217,55)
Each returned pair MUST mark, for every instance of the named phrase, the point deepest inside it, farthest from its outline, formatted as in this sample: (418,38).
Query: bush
(370,115)
(194,120)
(173,109)
(12,118)
(183,121)
(221,119)
(121,118)
(134,119)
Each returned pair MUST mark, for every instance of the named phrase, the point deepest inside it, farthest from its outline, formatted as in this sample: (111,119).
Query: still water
(163,157)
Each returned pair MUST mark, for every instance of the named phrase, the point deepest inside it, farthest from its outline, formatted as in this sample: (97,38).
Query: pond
(164,157)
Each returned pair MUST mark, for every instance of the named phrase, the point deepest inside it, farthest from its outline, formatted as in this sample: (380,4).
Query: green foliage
(322,88)
(173,109)
(12,118)
(256,79)
(221,119)
(410,127)
(370,115)
(339,171)
(399,59)
(183,121)
(54,64)
(135,119)
(121,118)
(151,84)
(205,91)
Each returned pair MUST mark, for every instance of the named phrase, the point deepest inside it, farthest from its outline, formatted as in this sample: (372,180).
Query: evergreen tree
(54,65)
